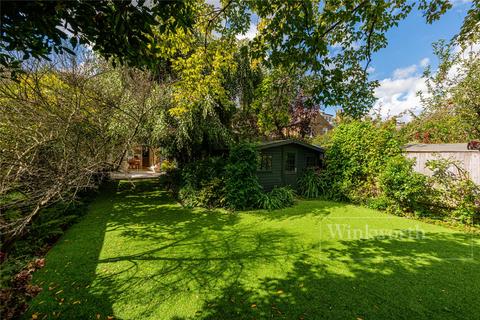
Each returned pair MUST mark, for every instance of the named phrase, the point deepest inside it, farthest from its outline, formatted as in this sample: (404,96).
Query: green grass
(139,255)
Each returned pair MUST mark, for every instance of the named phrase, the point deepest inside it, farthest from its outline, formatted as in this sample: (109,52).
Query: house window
(265,162)
(290,165)
(310,162)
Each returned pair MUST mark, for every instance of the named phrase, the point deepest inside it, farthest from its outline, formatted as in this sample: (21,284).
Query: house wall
(320,126)
(470,161)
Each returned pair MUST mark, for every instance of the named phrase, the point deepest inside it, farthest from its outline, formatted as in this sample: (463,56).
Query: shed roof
(278,143)
(440,147)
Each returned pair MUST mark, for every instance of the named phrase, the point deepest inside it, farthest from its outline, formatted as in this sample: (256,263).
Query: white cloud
(404,72)
(424,62)
(395,96)
(398,93)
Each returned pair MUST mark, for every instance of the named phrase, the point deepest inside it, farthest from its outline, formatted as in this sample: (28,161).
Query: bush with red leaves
(473,145)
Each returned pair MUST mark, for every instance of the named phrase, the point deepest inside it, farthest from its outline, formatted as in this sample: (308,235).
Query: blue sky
(412,40)
(400,65)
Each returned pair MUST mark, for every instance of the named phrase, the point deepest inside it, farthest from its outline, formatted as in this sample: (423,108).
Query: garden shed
(282,162)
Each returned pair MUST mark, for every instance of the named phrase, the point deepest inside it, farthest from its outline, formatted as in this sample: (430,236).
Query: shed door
(290,167)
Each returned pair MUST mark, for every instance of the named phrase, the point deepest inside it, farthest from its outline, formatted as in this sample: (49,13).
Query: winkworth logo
(347,232)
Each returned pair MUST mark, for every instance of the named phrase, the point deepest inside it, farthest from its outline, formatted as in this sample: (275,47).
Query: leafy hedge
(242,186)
(203,183)
(365,164)
(405,189)
(355,155)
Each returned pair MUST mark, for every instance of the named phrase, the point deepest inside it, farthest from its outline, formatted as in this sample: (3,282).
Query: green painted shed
(282,162)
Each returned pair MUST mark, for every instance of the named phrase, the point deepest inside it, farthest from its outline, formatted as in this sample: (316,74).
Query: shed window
(290,165)
(265,162)
(310,161)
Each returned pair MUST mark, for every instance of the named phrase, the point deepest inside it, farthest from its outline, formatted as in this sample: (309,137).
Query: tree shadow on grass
(140,255)
(187,254)
(380,278)
(139,252)
(71,269)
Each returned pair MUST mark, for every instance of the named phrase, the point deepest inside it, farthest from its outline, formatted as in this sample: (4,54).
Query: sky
(400,65)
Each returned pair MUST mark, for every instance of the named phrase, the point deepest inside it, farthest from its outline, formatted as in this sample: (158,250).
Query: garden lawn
(139,255)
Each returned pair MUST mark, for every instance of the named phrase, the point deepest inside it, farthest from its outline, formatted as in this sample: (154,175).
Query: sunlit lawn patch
(139,255)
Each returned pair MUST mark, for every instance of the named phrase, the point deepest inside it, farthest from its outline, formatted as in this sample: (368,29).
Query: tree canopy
(332,41)
(120,29)
(452,101)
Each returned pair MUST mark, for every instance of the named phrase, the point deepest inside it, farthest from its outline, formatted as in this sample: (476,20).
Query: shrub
(407,189)
(276,199)
(210,195)
(168,165)
(310,184)
(188,196)
(198,173)
(455,193)
(203,183)
(171,181)
(241,185)
(285,194)
(379,203)
(356,153)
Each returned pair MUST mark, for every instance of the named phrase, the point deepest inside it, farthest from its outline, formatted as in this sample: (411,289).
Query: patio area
(134,175)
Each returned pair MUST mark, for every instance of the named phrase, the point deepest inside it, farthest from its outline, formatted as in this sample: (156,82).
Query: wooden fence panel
(470,161)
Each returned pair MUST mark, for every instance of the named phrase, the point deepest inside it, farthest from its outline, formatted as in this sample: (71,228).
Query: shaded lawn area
(139,255)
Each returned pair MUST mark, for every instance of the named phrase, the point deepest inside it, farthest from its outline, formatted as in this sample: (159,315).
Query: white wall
(470,161)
